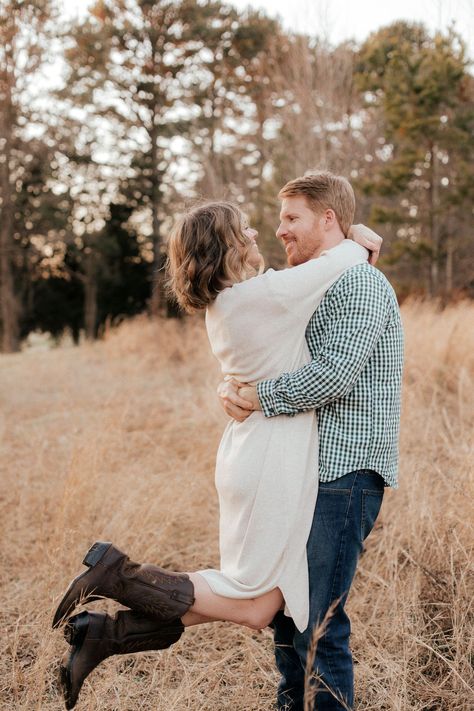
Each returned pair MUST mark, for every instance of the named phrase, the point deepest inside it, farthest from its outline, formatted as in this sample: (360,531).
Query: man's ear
(329,218)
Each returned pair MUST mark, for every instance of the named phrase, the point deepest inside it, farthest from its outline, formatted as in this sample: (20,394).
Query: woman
(265,470)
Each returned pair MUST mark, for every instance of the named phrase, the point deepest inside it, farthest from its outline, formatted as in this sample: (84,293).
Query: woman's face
(254,257)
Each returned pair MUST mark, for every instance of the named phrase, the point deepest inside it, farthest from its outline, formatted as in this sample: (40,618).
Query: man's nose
(280,231)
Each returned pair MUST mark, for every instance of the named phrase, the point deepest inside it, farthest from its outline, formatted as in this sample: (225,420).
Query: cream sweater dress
(267,468)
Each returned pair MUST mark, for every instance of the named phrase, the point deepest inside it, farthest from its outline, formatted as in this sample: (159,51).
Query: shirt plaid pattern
(354,379)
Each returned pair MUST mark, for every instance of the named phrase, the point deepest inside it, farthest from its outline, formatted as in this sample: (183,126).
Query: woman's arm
(239,400)
(367,238)
(300,289)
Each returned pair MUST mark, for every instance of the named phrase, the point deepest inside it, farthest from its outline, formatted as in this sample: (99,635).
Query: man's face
(301,230)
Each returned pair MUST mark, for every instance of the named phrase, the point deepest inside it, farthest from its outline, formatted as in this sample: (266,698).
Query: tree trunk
(90,297)
(8,301)
(9,307)
(449,266)
(157,300)
(160,304)
(434,222)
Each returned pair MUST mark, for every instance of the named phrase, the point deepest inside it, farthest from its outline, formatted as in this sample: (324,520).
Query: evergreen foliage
(112,124)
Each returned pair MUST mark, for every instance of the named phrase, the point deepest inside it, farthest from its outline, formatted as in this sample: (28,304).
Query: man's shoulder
(363,279)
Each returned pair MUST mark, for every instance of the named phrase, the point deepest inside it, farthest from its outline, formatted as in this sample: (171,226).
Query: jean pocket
(371,503)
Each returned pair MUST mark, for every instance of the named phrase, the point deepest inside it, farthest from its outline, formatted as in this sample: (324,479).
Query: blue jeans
(345,513)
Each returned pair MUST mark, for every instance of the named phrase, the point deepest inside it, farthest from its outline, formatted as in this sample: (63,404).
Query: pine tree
(29,206)
(420,85)
(129,68)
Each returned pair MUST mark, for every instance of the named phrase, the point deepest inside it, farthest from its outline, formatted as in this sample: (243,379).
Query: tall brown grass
(117,441)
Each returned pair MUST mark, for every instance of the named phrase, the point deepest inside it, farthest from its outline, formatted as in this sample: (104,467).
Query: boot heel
(76,629)
(95,553)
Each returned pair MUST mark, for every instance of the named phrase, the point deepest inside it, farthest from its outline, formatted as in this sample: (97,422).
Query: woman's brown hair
(207,252)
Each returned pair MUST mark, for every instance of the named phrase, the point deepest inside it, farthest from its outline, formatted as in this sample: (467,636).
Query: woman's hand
(367,238)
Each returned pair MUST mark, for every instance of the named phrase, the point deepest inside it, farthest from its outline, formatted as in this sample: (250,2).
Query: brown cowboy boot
(153,591)
(94,636)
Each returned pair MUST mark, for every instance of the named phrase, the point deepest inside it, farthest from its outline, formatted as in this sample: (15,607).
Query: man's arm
(358,314)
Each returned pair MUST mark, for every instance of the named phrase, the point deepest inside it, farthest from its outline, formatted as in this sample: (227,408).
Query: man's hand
(234,405)
(367,238)
(249,393)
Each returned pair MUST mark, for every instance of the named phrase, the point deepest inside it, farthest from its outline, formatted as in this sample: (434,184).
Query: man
(353,381)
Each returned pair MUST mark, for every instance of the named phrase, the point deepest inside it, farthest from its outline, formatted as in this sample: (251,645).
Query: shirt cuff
(270,399)
(266,397)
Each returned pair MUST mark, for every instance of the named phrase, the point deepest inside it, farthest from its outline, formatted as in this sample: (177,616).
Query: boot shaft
(125,633)
(130,631)
(148,589)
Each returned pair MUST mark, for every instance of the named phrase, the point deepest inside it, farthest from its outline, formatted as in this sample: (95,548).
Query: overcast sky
(343,19)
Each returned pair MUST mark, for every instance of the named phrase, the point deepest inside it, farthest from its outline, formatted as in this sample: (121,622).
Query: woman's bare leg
(193,618)
(208,607)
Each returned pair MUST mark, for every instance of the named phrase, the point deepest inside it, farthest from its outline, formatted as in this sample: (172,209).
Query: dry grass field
(116,440)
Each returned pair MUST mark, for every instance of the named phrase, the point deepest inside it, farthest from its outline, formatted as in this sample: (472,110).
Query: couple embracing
(312,359)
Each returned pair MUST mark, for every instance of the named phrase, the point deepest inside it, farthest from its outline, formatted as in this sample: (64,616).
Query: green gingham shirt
(353,380)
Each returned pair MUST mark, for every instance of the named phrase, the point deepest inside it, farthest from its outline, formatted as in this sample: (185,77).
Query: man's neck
(330,241)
